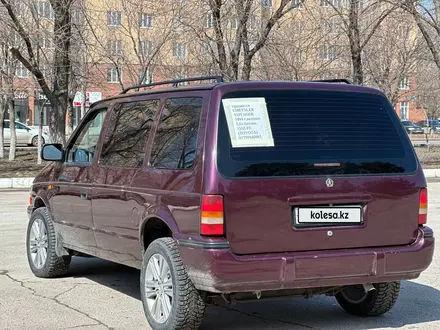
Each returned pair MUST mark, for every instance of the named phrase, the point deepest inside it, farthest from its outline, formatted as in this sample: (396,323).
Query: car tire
(34,141)
(185,308)
(40,245)
(373,303)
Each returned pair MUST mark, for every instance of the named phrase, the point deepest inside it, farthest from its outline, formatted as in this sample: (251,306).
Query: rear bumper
(213,267)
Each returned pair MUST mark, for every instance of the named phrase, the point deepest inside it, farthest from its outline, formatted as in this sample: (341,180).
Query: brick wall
(407,106)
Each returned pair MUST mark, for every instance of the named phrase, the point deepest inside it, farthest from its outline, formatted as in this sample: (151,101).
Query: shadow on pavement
(118,277)
(417,304)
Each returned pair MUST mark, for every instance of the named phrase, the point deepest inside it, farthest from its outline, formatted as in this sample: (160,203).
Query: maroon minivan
(228,192)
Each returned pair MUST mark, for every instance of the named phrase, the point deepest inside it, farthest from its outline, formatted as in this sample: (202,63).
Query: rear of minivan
(307,185)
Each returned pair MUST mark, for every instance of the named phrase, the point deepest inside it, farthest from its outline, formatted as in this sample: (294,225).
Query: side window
(126,139)
(84,148)
(19,126)
(6,124)
(175,143)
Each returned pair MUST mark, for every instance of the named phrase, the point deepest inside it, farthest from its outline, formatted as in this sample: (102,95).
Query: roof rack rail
(175,83)
(339,80)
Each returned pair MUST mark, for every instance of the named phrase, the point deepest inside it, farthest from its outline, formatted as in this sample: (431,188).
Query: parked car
(229,192)
(25,134)
(412,128)
(433,125)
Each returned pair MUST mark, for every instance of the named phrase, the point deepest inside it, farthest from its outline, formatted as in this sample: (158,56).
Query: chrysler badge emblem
(329,182)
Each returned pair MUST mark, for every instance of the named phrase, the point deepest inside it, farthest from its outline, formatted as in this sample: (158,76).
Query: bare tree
(233,32)
(7,74)
(360,20)
(393,56)
(133,43)
(307,46)
(58,92)
(426,14)
(428,87)
(2,106)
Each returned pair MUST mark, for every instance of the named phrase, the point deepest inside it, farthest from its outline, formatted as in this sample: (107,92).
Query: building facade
(140,42)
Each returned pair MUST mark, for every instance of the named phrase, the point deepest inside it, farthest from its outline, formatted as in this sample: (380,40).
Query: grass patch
(24,166)
(429,157)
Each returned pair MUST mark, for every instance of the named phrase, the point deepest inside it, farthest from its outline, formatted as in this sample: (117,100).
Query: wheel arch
(31,138)
(39,202)
(154,227)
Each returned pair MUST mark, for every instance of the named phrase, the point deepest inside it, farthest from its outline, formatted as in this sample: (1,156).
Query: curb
(432,173)
(25,183)
(16,183)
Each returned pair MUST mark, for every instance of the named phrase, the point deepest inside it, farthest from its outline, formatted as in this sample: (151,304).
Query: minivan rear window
(319,132)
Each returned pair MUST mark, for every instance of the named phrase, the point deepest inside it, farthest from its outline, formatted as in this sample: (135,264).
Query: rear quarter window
(318,132)
(175,142)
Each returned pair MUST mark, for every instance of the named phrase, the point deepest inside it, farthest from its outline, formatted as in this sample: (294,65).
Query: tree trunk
(2,132)
(40,132)
(425,33)
(358,70)
(70,117)
(13,143)
(60,97)
(247,68)
(57,121)
(83,103)
(355,43)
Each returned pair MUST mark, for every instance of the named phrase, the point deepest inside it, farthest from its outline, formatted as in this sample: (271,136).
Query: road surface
(101,295)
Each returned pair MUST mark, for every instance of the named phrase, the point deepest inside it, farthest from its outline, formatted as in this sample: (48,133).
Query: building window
(177,22)
(77,16)
(329,52)
(179,50)
(115,47)
(47,42)
(21,71)
(45,10)
(404,110)
(179,75)
(145,47)
(145,20)
(20,9)
(234,23)
(331,25)
(298,4)
(298,28)
(209,21)
(404,83)
(266,3)
(16,40)
(114,75)
(114,18)
(145,76)
(252,22)
(208,47)
(331,3)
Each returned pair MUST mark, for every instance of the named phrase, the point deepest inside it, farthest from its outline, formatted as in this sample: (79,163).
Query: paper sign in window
(248,122)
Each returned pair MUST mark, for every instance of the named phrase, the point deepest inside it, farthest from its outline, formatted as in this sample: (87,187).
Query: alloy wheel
(159,288)
(38,243)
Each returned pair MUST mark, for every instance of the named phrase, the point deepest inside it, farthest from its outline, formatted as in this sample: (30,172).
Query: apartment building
(130,42)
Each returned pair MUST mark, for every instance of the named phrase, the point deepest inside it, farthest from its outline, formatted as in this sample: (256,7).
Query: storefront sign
(91,97)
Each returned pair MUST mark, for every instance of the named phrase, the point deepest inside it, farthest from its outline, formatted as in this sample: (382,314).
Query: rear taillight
(212,221)
(423,206)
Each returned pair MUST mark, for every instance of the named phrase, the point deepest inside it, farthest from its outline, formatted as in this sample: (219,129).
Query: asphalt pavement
(97,294)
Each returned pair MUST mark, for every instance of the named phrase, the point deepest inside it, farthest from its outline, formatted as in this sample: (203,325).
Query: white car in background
(25,134)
